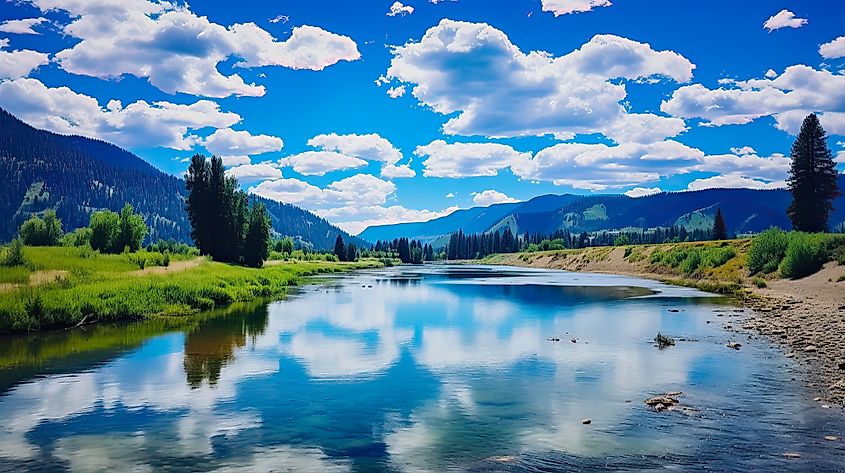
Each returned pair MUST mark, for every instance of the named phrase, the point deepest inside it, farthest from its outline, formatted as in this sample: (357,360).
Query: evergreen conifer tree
(812,178)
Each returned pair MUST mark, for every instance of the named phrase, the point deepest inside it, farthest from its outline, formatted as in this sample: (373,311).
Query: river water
(434,368)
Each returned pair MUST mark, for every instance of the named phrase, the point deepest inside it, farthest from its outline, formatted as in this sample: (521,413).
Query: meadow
(61,287)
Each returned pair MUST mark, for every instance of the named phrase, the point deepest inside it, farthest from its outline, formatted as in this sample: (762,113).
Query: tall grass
(691,260)
(794,254)
(109,288)
(767,250)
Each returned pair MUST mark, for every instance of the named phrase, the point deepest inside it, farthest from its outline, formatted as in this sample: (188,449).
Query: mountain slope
(76,176)
(745,210)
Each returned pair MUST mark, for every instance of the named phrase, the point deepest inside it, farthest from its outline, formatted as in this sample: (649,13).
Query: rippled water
(428,369)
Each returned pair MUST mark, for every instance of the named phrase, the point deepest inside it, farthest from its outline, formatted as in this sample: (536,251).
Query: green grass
(694,259)
(111,287)
(794,254)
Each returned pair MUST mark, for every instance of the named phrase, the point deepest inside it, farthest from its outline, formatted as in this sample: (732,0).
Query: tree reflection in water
(212,345)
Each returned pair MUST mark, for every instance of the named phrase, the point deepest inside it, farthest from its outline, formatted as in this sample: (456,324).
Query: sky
(372,112)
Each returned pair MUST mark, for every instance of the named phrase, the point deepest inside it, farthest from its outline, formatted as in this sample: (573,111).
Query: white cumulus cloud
(563,7)
(254,172)
(370,147)
(23,26)
(178,51)
(20,63)
(834,49)
(474,71)
(599,166)
(643,191)
(399,9)
(138,124)
(228,142)
(788,98)
(353,203)
(784,19)
(732,182)
(319,163)
(467,159)
(490,197)
(392,171)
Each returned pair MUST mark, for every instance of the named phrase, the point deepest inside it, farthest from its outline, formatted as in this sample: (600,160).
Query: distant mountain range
(76,176)
(745,210)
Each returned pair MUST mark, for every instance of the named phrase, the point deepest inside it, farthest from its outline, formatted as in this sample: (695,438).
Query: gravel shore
(806,317)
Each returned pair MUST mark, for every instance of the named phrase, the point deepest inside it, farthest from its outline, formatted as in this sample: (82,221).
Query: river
(432,368)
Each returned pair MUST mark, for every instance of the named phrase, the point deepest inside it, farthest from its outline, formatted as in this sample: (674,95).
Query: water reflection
(212,345)
(426,370)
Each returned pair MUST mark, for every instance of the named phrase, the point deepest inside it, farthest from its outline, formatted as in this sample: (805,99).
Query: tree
(403,248)
(720,231)
(812,178)
(340,248)
(198,204)
(256,247)
(220,214)
(622,240)
(112,232)
(104,227)
(286,246)
(42,232)
(13,256)
(132,229)
(351,252)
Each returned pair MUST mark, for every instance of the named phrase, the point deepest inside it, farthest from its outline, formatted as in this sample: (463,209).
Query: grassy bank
(61,287)
(726,267)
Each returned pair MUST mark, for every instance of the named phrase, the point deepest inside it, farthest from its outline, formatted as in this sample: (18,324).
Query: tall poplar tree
(812,178)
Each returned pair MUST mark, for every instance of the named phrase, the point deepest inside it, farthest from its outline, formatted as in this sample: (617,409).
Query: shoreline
(805,318)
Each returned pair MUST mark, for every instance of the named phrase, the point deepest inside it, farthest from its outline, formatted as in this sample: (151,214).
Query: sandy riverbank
(806,317)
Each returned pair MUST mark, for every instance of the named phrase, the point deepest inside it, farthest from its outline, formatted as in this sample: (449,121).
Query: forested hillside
(76,176)
(745,211)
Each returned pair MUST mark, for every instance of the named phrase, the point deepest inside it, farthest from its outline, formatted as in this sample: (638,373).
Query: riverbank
(805,317)
(66,287)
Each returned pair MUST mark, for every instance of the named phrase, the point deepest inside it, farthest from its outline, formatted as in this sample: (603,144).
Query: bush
(759,282)
(621,240)
(691,262)
(113,233)
(13,254)
(77,238)
(715,257)
(42,232)
(805,254)
(767,250)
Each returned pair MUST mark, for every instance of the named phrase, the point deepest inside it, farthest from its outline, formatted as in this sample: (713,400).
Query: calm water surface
(435,368)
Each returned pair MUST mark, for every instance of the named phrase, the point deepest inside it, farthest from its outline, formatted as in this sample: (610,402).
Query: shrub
(13,255)
(759,282)
(621,240)
(656,257)
(805,254)
(691,262)
(715,257)
(42,232)
(767,250)
(78,238)
(113,233)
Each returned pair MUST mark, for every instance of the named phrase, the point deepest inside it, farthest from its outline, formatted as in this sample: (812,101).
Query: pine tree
(340,248)
(812,178)
(720,231)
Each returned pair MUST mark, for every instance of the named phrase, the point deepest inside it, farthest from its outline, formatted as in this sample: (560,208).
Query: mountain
(75,176)
(745,211)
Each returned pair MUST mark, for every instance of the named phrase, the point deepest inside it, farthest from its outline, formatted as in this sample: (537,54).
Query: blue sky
(367,117)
